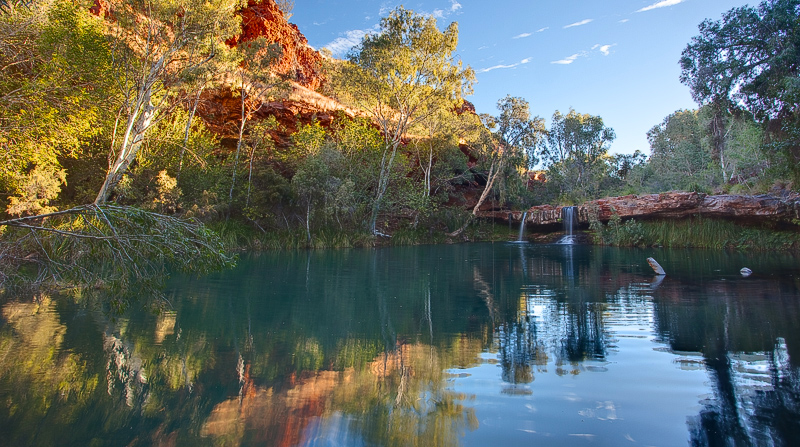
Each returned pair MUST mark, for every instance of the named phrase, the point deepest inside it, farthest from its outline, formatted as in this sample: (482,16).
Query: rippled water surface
(508,344)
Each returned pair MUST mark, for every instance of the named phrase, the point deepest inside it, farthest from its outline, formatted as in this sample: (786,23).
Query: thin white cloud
(584,22)
(484,70)
(502,66)
(386,8)
(520,36)
(567,60)
(542,29)
(442,13)
(661,4)
(605,49)
(342,45)
(624,20)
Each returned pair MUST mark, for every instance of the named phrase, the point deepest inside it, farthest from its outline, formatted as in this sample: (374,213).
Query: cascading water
(568,217)
(522,226)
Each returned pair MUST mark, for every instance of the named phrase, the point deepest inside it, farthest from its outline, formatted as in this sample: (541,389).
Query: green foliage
(748,60)
(306,142)
(54,86)
(160,47)
(680,154)
(401,75)
(40,187)
(166,195)
(627,234)
(404,71)
(505,148)
(575,154)
(749,57)
(747,164)
(517,131)
(689,153)
(166,143)
(695,232)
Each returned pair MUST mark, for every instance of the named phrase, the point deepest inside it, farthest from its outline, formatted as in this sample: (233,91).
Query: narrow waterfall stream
(569,219)
(522,226)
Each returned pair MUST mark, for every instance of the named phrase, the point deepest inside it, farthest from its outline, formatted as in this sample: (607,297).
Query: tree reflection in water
(364,348)
(754,367)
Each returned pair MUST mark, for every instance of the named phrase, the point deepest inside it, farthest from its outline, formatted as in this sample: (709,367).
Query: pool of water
(509,344)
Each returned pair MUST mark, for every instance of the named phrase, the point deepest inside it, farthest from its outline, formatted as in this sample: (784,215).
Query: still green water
(476,344)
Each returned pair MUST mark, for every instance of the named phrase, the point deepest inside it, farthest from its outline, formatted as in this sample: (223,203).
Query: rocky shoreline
(755,209)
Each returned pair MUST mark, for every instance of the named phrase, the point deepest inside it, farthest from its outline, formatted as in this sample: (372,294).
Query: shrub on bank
(697,232)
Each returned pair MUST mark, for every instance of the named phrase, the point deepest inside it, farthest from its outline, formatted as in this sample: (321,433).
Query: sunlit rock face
(674,204)
(220,108)
(298,61)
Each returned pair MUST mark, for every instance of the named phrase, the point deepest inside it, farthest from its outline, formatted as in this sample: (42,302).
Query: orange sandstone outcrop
(299,61)
(221,111)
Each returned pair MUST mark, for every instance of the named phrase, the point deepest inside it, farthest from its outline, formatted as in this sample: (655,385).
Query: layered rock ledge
(758,208)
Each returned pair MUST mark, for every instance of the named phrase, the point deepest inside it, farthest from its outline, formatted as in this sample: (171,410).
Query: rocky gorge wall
(299,61)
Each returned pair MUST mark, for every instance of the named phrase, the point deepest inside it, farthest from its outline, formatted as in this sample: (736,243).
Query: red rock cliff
(299,61)
(221,109)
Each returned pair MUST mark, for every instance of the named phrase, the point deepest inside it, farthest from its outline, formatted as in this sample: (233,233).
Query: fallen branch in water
(111,247)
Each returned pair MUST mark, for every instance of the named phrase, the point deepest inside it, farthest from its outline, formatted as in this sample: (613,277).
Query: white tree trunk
(138,124)
(493,173)
(383,183)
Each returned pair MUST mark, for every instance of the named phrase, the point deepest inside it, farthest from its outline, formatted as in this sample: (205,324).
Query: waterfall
(568,215)
(569,219)
(522,226)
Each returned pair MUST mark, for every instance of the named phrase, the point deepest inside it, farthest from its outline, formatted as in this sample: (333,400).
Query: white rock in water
(745,272)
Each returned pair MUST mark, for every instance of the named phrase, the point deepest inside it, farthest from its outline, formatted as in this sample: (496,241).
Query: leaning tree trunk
(138,124)
(383,183)
(493,173)
(239,142)
(187,130)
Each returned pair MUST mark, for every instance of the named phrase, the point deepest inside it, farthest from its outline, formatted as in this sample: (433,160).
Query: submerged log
(656,267)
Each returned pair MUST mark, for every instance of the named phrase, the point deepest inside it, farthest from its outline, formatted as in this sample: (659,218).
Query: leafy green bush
(627,234)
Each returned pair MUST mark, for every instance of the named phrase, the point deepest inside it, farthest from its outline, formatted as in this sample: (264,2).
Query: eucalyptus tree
(150,50)
(159,45)
(256,84)
(749,59)
(575,153)
(680,153)
(507,146)
(403,73)
(436,145)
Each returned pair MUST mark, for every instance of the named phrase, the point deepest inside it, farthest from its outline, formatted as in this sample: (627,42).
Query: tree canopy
(750,58)
(575,153)
(404,73)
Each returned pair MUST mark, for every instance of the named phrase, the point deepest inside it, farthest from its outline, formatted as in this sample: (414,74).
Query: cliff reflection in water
(396,347)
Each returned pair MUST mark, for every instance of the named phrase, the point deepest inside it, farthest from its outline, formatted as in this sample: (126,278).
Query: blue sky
(617,59)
